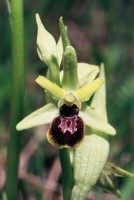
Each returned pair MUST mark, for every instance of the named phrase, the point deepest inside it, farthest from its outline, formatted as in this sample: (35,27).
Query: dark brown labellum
(67,130)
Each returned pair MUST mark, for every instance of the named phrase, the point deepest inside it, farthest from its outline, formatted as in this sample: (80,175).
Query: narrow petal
(95,121)
(86,73)
(87,91)
(57,92)
(41,116)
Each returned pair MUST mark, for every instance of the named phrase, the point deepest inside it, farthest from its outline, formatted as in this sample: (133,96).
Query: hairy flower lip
(66,132)
(67,129)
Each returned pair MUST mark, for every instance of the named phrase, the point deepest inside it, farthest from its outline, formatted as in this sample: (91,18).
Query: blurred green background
(101,31)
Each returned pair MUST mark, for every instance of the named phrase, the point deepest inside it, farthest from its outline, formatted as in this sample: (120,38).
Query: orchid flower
(68,114)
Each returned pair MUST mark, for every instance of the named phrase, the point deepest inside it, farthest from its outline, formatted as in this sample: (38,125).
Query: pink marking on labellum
(68,124)
(68,128)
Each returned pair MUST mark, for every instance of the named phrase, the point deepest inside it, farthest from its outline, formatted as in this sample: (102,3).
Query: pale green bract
(75,85)
(89,161)
(46,49)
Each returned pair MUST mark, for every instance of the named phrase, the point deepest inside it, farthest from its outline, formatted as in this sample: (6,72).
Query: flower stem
(67,174)
(17,48)
(128,186)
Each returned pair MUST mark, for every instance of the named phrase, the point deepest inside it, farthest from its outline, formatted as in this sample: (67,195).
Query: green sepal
(99,99)
(70,76)
(64,35)
(98,103)
(86,73)
(45,43)
(56,92)
(95,121)
(47,51)
(41,116)
(84,93)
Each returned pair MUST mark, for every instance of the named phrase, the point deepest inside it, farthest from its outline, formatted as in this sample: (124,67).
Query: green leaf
(41,116)
(86,73)
(95,121)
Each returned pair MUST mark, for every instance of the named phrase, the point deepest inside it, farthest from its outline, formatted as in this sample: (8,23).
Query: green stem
(17,47)
(67,174)
(127,189)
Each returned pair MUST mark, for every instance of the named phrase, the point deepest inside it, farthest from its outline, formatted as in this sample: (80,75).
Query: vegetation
(100,31)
